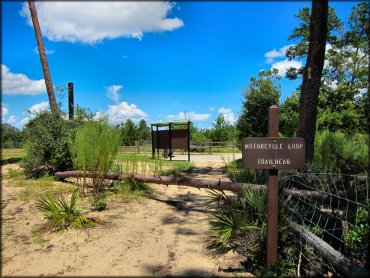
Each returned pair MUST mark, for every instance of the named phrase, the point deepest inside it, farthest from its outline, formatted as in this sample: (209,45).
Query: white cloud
(282,66)
(211,109)
(271,55)
(99,115)
(11,120)
(4,110)
(123,111)
(39,107)
(24,121)
(91,22)
(47,51)
(188,116)
(228,114)
(20,84)
(112,92)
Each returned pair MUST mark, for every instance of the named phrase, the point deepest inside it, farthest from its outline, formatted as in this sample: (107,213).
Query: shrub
(94,149)
(61,215)
(337,152)
(98,201)
(356,239)
(47,145)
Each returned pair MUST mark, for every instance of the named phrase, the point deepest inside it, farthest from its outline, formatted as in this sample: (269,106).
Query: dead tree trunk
(166,180)
(43,59)
(192,182)
(312,75)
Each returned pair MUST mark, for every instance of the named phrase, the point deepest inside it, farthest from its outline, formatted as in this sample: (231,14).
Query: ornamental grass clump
(61,215)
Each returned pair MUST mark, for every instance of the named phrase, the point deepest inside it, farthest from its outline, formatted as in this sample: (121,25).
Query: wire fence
(328,219)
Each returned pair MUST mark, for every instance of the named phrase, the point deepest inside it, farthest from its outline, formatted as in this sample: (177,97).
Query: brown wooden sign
(273,153)
(179,139)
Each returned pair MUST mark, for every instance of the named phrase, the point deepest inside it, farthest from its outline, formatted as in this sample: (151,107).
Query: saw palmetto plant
(60,214)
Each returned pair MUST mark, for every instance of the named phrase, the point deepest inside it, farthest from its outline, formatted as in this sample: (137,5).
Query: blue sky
(159,61)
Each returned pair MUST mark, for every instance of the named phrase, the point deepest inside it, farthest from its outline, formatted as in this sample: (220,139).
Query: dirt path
(165,235)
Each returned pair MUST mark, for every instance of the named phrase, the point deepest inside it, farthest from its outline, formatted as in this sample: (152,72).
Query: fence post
(137,146)
(272,194)
(210,147)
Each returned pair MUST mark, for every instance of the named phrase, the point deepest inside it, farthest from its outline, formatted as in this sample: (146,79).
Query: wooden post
(272,194)
(71,101)
(153,149)
(189,141)
(157,142)
(170,135)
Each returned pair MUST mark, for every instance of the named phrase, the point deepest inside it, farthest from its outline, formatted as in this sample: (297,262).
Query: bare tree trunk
(312,75)
(166,180)
(187,181)
(43,59)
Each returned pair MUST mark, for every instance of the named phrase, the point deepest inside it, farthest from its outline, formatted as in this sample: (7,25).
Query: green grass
(9,156)
(131,189)
(8,153)
(140,164)
(33,188)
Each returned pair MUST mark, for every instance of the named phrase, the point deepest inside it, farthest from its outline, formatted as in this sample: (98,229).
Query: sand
(166,235)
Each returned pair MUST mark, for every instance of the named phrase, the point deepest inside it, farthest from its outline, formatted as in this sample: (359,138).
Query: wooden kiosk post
(273,153)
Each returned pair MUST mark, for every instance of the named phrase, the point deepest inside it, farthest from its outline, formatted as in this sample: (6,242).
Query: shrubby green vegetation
(356,239)
(11,137)
(337,152)
(47,145)
(94,149)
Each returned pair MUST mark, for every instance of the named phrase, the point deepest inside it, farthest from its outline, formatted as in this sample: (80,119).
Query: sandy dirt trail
(162,236)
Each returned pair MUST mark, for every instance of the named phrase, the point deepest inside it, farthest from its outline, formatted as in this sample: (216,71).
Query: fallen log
(343,265)
(167,180)
(187,181)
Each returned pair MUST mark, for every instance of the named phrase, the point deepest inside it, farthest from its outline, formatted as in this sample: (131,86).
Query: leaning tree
(43,59)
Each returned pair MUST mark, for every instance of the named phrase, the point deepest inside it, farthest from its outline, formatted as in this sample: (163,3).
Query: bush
(94,149)
(98,201)
(47,145)
(337,152)
(356,239)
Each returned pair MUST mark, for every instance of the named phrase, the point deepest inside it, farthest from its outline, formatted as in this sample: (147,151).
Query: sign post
(272,193)
(273,153)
